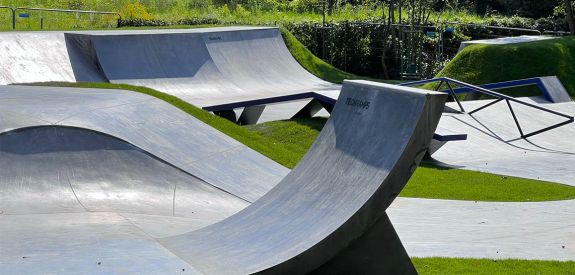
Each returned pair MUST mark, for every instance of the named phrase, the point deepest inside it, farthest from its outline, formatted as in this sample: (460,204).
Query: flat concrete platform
(494,144)
(428,228)
(505,40)
(493,230)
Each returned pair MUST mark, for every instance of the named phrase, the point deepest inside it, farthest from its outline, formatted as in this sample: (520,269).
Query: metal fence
(43,18)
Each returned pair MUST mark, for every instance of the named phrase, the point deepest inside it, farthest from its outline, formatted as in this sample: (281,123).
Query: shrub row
(358,46)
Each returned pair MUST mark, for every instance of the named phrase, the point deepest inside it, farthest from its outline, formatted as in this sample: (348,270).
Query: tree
(569,16)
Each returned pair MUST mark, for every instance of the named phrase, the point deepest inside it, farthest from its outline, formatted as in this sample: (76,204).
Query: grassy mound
(312,63)
(481,64)
(317,66)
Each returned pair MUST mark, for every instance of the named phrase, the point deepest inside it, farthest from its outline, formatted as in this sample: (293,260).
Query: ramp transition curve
(116,208)
(205,66)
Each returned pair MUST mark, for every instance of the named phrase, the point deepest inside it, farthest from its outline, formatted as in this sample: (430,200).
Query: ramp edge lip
(391,88)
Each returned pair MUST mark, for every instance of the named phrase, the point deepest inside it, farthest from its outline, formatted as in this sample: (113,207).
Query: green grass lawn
(248,12)
(429,181)
(442,266)
(312,63)
(480,64)
(317,66)
(434,182)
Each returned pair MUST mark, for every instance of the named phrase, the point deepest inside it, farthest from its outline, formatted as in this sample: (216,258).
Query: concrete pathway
(494,144)
(535,231)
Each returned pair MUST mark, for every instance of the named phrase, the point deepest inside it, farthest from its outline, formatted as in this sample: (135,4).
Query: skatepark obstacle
(82,204)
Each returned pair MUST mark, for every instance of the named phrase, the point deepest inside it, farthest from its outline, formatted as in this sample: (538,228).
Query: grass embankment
(442,266)
(317,66)
(480,64)
(429,181)
(312,63)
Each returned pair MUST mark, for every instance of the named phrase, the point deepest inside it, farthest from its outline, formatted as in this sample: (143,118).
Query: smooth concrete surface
(76,200)
(205,66)
(493,230)
(286,111)
(35,243)
(24,57)
(494,145)
(505,40)
(54,169)
(150,124)
(339,190)
(556,91)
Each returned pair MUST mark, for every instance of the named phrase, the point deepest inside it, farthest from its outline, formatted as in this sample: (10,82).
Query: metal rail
(16,9)
(536,32)
(499,97)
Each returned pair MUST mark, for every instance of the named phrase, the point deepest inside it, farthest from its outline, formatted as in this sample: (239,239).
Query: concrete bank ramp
(87,202)
(150,124)
(27,57)
(205,66)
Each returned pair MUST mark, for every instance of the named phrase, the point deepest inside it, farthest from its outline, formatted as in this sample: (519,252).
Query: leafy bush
(136,11)
(75,4)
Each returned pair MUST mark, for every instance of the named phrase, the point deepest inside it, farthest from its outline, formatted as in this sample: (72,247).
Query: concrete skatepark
(114,152)
(83,173)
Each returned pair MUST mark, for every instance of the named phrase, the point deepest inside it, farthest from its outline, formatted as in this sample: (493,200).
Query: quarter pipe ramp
(205,66)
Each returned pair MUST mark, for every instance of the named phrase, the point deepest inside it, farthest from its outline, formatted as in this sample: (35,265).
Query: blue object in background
(24,15)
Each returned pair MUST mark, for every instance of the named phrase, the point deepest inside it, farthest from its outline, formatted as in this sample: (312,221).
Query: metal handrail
(16,9)
(500,97)
(536,32)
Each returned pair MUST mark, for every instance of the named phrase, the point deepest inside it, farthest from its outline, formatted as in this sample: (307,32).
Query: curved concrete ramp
(332,205)
(24,58)
(204,66)
(55,169)
(44,56)
(74,200)
(151,124)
